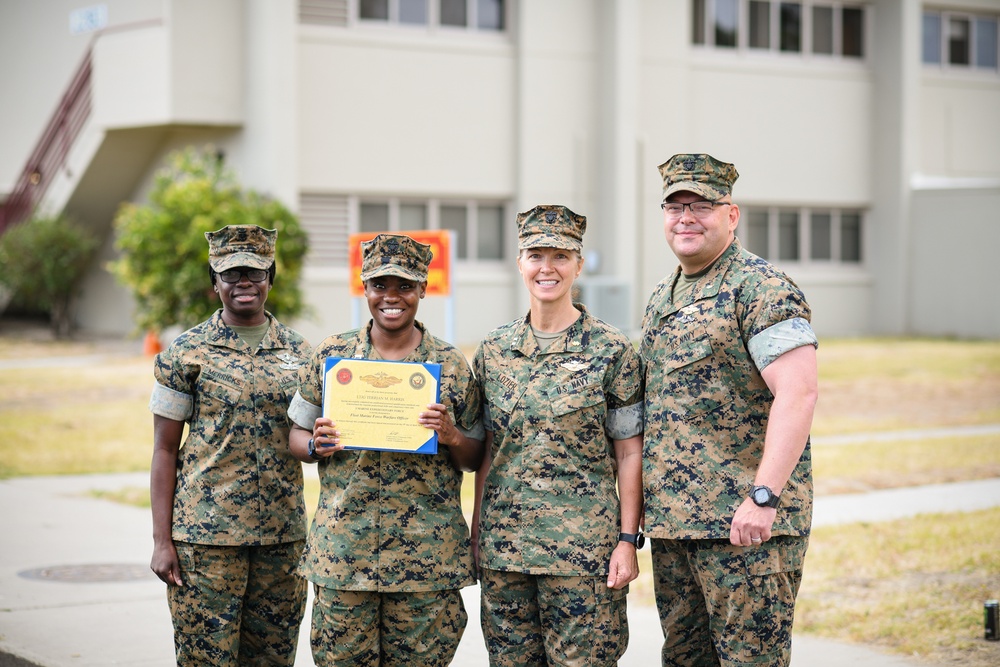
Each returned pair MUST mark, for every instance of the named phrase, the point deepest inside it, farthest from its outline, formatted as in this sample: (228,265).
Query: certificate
(375,404)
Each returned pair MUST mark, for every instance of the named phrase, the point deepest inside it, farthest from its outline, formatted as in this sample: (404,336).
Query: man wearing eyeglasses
(729,361)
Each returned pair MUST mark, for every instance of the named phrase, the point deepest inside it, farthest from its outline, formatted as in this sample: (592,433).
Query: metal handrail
(53,147)
(51,150)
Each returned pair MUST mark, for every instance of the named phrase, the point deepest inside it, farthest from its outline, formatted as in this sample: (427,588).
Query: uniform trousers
(238,605)
(727,605)
(539,620)
(370,629)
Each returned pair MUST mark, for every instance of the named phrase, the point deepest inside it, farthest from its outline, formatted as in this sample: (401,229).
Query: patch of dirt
(878,404)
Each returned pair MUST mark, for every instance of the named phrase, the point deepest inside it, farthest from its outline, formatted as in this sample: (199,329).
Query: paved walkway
(90,599)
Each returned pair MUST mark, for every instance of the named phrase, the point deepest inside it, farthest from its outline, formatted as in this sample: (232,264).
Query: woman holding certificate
(563,417)
(389,547)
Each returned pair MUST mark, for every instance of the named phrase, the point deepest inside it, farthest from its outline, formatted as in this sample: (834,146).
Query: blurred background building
(867,136)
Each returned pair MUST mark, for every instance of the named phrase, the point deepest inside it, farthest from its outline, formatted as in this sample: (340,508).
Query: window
(820,27)
(817,236)
(963,41)
(760,25)
(958,41)
(790,26)
(823,30)
(726,22)
(852,32)
(932,39)
(468,14)
(482,228)
(478,226)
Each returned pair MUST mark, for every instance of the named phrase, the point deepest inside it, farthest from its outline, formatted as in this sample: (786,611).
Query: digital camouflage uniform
(550,504)
(706,414)
(389,538)
(239,512)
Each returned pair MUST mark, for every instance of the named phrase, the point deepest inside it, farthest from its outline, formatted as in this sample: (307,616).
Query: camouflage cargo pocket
(763,605)
(209,600)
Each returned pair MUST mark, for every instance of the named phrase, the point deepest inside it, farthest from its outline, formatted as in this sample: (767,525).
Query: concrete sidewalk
(76,590)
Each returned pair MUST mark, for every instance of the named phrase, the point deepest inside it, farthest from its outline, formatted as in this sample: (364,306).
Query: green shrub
(164,254)
(43,262)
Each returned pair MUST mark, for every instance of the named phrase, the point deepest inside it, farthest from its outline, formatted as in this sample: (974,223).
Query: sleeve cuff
(171,404)
(782,337)
(304,413)
(625,422)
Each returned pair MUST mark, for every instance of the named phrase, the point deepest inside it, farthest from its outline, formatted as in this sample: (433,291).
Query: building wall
(40,56)
(798,130)
(956,232)
(576,102)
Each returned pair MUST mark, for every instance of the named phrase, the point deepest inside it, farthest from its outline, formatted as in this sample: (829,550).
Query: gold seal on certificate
(375,404)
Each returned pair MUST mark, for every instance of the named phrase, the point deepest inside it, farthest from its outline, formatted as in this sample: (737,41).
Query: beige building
(866,135)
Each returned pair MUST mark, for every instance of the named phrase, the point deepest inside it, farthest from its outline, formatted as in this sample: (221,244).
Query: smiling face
(393,301)
(548,273)
(696,241)
(243,301)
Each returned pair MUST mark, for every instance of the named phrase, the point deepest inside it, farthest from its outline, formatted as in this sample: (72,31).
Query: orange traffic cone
(151,344)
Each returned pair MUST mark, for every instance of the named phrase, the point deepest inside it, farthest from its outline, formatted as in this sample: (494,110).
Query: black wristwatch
(763,496)
(635,539)
(312,450)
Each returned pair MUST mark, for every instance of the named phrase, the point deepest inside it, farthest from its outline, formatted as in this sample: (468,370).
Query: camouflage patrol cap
(699,173)
(395,255)
(241,245)
(549,226)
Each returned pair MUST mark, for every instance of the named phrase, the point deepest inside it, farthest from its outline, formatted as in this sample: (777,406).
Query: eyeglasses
(253,275)
(700,209)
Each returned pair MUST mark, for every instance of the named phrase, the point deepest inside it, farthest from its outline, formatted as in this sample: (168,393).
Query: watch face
(760,496)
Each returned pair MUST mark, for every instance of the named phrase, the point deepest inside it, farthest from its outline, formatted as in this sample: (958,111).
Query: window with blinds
(327,220)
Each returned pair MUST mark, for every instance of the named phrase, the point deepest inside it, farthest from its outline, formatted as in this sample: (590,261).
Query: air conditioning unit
(610,299)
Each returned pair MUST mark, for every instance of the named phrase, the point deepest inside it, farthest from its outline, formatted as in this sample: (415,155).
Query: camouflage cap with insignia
(549,226)
(699,173)
(241,245)
(395,255)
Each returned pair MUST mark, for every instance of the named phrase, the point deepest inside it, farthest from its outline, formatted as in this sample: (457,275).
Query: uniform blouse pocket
(217,401)
(564,403)
(219,391)
(693,381)
(688,353)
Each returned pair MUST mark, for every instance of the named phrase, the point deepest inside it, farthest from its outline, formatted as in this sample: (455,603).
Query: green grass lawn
(914,586)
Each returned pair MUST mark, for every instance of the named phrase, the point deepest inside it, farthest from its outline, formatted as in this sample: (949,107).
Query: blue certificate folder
(375,404)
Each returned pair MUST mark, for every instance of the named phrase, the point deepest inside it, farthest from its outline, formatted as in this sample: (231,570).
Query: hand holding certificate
(376,404)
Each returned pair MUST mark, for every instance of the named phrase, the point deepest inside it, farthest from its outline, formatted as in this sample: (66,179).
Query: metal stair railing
(50,153)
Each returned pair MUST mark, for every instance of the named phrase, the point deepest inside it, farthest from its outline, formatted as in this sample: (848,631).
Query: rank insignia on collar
(291,362)
(574,366)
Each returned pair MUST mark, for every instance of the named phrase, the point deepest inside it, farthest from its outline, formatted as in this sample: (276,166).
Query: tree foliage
(44,260)
(164,254)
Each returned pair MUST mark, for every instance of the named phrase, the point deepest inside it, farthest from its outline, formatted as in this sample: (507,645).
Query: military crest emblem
(574,366)
(289,362)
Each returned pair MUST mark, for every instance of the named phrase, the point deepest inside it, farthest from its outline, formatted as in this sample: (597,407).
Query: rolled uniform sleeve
(303,413)
(782,337)
(172,404)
